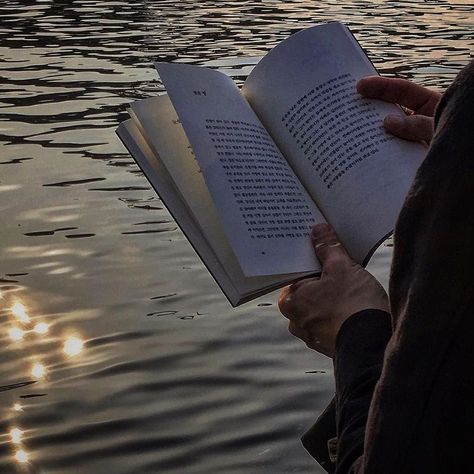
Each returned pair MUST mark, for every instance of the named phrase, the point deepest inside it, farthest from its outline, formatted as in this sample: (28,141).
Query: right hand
(317,307)
(420,102)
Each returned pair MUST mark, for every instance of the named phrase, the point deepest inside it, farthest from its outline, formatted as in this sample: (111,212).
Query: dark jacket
(409,407)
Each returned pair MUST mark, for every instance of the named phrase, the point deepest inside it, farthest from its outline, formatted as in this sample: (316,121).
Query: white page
(290,91)
(202,228)
(165,136)
(265,212)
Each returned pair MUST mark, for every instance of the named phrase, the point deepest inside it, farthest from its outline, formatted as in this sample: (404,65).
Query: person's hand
(417,100)
(317,307)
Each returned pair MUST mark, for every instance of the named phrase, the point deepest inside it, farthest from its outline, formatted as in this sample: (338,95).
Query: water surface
(170,379)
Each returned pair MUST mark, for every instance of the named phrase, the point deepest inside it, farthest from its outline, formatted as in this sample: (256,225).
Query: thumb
(329,249)
(410,127)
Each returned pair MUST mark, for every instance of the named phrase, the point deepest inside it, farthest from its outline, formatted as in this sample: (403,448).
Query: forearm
(358,361)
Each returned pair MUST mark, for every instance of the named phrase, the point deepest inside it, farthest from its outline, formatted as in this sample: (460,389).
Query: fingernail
(319,228)
(393,121)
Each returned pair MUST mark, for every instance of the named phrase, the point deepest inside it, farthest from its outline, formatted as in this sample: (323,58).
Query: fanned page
(264,210)
(304,92)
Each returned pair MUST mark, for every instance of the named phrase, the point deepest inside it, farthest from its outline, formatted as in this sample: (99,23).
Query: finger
(411,127)
(400,91)
(286,302)
(297,302)
(294,329)
(328,248)
(311,341)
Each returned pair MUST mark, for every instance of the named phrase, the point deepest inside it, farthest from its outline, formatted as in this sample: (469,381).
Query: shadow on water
(119,354)
(12,386)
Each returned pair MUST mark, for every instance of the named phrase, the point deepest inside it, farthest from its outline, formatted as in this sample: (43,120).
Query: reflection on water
(21,456)
(73,346)
(15,435)
(19,311)
(41,328)
(141,366)
(16,334)
(38,371)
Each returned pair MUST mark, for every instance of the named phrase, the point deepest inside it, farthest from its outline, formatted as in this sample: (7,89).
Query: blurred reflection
(41,328)
(21,456)
(73,346)
(16,334)
(19,311)
(38,370)
(16,435)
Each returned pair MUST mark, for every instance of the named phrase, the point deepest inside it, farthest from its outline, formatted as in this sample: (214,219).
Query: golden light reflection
(38,370)
(41,328)
(16,435)
(16,334)
(73,346)
(32,330)
(19,311)
(21,456)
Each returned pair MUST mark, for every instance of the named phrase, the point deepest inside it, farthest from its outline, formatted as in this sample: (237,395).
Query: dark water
(169,379)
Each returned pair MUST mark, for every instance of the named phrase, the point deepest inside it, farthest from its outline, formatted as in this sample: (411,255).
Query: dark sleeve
(358,361)
(316,440)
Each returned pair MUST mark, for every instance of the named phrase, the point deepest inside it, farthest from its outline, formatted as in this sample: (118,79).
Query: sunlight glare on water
(15,435)
(16,334)
(19,311)
(38,370)
(21,456)
(73,346)
(41,328)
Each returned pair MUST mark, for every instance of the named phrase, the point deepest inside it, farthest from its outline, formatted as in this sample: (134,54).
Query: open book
(247,173)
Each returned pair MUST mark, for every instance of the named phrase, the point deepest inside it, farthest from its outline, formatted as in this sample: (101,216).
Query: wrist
(363,323)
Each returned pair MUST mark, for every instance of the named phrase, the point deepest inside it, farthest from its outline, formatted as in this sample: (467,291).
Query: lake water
(169,379)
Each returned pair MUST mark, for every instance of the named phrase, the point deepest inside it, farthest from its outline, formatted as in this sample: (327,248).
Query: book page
(264,210)
(304,92)
(192,207)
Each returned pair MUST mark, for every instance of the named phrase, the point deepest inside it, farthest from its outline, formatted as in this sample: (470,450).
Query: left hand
(317,307)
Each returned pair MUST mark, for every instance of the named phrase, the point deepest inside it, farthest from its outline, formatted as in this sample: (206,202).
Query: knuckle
(283,298)
(281,303)
(283,307)
(337,262)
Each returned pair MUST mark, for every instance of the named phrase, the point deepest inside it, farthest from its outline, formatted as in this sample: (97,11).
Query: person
(404,365)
